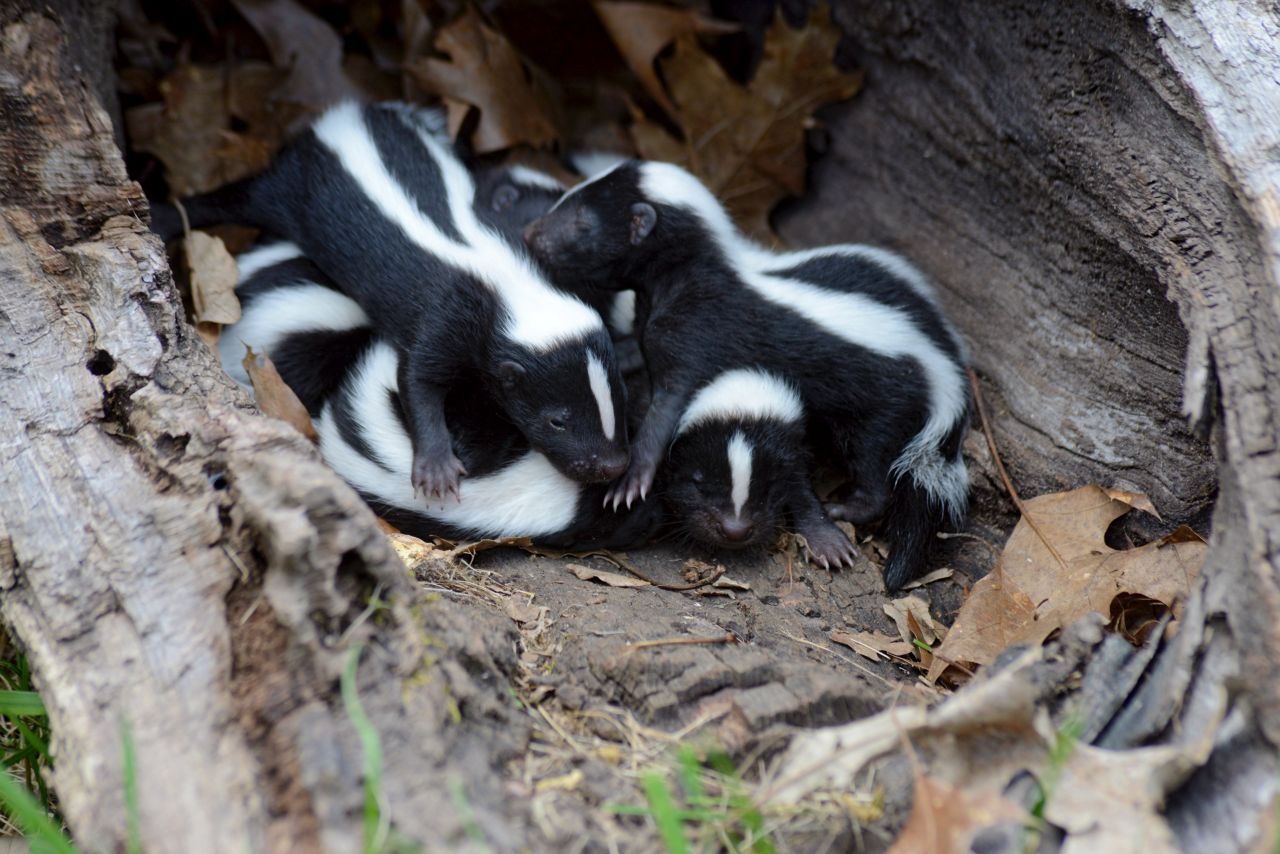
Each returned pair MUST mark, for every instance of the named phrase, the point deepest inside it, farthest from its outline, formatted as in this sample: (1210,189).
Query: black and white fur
(375,196)
(738,467)
(856,330)
(323,347)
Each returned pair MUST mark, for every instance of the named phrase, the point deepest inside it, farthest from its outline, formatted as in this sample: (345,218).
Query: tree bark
(1094,185)
(1096,188)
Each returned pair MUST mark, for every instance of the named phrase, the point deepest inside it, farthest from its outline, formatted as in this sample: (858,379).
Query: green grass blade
(24,704)
(32,740)
(39,829)
(691,775)
(665,815)
(129,760)
(371,746)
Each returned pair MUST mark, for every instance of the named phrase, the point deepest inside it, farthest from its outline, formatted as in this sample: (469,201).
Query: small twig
(1004,475)
(728,637)
(627,566)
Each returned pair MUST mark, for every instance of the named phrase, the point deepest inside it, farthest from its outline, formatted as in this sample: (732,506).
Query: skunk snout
(734,530)
(533,238)
(600,469)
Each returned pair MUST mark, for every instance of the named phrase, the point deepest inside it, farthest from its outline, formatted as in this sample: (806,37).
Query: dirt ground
(615,678)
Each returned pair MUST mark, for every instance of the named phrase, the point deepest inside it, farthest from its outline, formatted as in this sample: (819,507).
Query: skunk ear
(504,197)
(510,374)
(643,219)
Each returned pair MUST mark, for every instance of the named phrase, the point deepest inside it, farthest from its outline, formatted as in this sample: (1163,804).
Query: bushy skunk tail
(932,495)
(230,204)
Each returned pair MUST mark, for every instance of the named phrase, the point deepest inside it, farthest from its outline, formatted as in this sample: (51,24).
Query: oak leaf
(945,819)
(1060,569)
(484,72)
(213,274)
(274,397)
(747,143)
(641,31)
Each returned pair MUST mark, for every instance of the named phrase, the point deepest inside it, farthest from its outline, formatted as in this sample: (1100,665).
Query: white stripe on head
(537,316)
(529,177)
(259,258)
(739,471)
(589,164)
(588,182)
(527,497)
(603,394)
(284,311)
(743,394)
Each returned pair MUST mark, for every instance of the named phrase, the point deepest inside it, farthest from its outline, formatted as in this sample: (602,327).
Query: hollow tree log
(1096,188)
(1093,184)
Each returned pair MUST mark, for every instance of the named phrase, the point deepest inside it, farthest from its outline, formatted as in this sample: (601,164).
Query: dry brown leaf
(474,548)
(214,274)
(925,580)
(747,144)
(191,131)
(612,579)
(911,609)
(945,819)
(871,644)
(410,549)
(523,612)
(1029,595)
(484,71)
(642,30)
(303,45)
(274,397)
(1136,500)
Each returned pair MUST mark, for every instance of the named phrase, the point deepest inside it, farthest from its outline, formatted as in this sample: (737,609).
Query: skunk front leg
(436,470)
(825,544)
(650,444)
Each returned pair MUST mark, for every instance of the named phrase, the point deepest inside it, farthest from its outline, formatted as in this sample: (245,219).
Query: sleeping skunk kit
(471,387)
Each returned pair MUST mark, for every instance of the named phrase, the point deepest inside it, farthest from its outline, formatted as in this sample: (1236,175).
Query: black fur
(443,322)
(696,318)
(696,484)
(318,363)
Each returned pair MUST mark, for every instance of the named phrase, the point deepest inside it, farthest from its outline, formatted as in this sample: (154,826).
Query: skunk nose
(735,530)
(531,234)
(613,468)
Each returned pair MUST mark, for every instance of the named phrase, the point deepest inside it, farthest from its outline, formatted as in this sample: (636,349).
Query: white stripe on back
(284,311)
(527,497)
(599,380)
(855,318)
(739,471)
(743,394)
(538,315)
(267,255)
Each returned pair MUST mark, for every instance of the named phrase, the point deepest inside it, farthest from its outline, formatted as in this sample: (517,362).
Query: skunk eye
(557,424)
(697,476)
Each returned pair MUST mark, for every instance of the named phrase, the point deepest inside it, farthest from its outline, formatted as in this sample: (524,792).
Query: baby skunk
(855,330)
(347,378)
(374,197)
(509,198)
(738,467)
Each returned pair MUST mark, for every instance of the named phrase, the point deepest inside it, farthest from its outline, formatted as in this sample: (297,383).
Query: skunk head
(569,401)
(613,226)
(737,456)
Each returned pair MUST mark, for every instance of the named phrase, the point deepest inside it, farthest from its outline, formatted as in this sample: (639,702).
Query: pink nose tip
(735,530)
(613,471)
(530,234)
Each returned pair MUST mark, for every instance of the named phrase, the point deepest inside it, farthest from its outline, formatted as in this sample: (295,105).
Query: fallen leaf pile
(1057,567)
(213,91)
